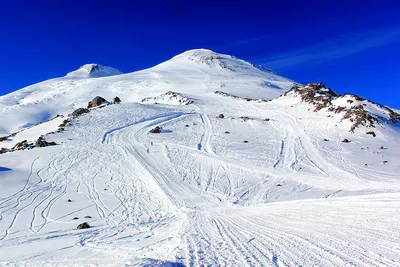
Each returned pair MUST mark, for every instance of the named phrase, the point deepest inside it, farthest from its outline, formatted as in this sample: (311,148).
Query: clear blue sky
(351,46)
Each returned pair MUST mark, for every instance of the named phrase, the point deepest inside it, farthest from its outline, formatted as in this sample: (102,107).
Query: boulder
(4,150)
(64,123)
(21,145)
(84,225)
(157,129)
(40,142)
(116,100)
(97,101)
(80,111)
(345,140)
(221,116)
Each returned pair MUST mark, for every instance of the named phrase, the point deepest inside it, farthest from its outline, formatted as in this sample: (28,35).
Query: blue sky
(351,46)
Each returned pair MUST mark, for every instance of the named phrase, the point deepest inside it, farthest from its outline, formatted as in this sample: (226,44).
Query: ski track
(150,198)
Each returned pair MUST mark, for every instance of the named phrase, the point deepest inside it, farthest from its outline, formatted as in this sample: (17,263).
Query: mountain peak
(213,59)
(93,71)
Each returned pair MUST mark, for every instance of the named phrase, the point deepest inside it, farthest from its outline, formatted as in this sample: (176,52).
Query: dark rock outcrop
(22,145)
(316,94)
(355,108)
(84,225)
(80,111)
(116,100)
(169,97)
(238,97)
(4,150)
(40,142)
(43,143)
(157,129)
(97,101)
(64,123)
(359,116)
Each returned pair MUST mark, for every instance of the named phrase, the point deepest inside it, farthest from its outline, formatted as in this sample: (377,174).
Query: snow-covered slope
(196,72)
(228,181)
(93,71)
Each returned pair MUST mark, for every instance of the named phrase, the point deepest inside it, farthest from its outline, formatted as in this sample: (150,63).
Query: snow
(169,98)
(195,194)
(33,133)
(93,71)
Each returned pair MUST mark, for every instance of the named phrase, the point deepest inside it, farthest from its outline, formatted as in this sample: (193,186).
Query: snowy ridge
(93,71)
(227,182)
(355,110)
(170,98)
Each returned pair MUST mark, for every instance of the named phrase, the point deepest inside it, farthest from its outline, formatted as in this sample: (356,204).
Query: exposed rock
(97,101)
(75,218)
(88,217)
(245,141)
(4,138)
(345,140)
(116,100)
(372,133)
(80,111)
(40,142)
(316,94)
(84,225)
(339,109)
(238,97)
(245,118)
(22,145)
(64,123)
(157,129)
(221,116)
(170,98)
(4,150)
(322,97)
(359,116)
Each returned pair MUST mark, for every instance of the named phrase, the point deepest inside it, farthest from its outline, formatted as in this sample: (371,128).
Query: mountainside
(197,72)
(203,160)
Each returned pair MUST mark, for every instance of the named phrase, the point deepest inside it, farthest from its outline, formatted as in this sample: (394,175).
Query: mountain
(206,160)
(199,72)
(93,71)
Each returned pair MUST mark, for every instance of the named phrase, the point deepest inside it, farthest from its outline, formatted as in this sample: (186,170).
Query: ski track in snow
(194,226)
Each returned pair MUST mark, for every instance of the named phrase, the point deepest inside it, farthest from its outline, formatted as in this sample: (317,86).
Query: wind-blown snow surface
(197,194)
